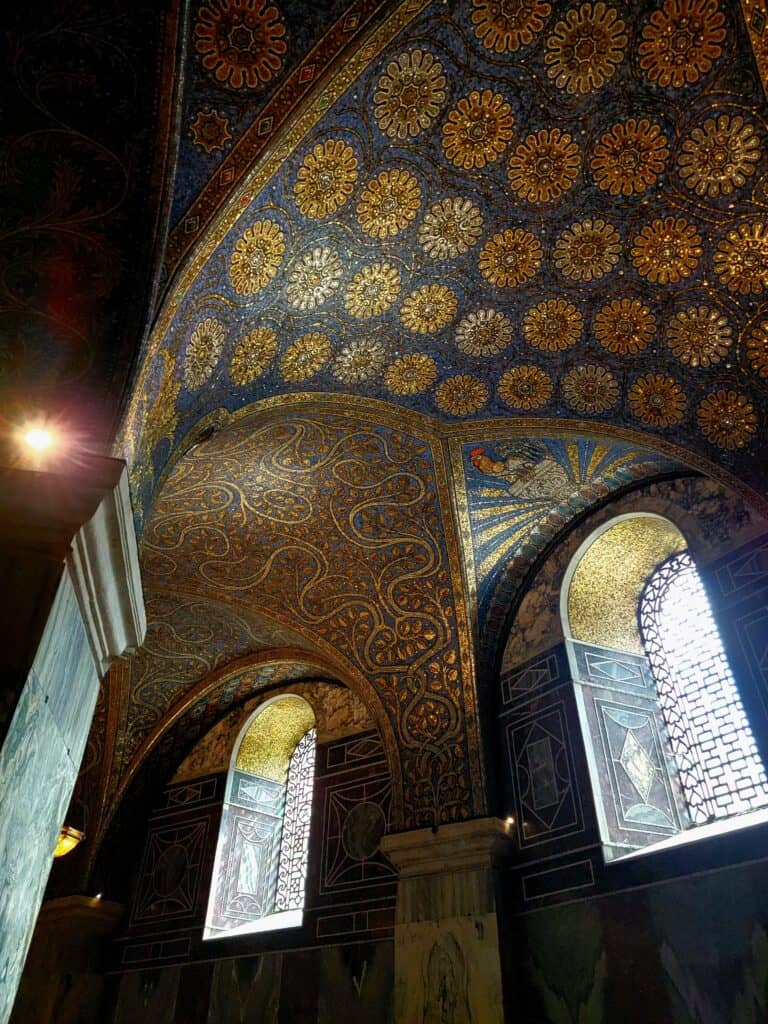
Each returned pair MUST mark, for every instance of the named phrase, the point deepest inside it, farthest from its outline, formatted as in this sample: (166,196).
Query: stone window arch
(260,869)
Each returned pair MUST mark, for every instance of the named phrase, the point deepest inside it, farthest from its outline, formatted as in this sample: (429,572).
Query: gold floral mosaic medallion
(325,180)
(741,259)
(210,131)
(314,278)
(657,400)
(585,48)
(510,258)
(553,325)
(241,42)
(525,387)
(667,250)
(757,349)
(305,357)
(409,95)
(505,25)
(699,336)
(389,203)
(359,360)
(588,250)
(461,395)
(484,333)
(372,290)
(252,356)
(544,166)
(203,351)
(625,326)
(411,374)
(256,257)
(718,157)
(590,389)
(450,228)
(428,309)
(727,419)
(681,41)
(478,129)
(630,157)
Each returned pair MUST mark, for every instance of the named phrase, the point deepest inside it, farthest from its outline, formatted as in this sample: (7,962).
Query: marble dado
(447,963)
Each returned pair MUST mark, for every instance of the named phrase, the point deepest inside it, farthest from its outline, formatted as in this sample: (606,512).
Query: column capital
(453,847)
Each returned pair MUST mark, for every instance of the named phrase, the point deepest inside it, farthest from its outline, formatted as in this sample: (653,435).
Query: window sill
(695,835)
(271,923)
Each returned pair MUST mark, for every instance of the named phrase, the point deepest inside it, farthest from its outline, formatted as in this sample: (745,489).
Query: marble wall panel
(148,997)
(246,990)
(38,767)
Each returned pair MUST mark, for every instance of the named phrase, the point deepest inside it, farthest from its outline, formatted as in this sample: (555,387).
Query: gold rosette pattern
(553,325)
(305,357)
(681,41)
(461,394)
(510,258)
(630,157)
(727,419)
(325,180)
(585,48)
(389,203)
(667,250)
(409,95)
(588,250)
(544,166)
(625,326)
(590,389)
(252,356)
(411,374)
(372,290)
(525,387)
(699,336)
(428,309)
(256,257)
(478,129)
(657,400)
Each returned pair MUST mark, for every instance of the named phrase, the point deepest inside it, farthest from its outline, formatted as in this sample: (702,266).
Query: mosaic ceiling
(550,210)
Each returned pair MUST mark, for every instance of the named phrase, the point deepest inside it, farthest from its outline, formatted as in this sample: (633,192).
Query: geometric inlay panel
(170,871)
(539,752)
(356,816)
(544,671)
(636,769)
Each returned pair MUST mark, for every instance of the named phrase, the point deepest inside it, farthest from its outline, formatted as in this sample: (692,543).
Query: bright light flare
(39,439)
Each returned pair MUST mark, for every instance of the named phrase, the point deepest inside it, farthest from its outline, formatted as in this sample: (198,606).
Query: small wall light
(69,838)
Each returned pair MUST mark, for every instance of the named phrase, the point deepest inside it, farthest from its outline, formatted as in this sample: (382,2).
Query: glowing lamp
(69,838)
(39,439)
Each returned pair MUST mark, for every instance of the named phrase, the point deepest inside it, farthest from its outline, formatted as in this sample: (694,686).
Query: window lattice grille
(720,769)
(294,844)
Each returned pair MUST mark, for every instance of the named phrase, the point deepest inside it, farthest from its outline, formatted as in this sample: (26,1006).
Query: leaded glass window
(260,871)
(719,766)
(294,843)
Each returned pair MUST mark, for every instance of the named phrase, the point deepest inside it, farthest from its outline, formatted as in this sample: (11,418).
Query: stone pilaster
(68,549)
(447,964)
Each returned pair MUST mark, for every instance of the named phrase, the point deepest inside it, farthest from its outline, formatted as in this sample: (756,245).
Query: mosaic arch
(561,214)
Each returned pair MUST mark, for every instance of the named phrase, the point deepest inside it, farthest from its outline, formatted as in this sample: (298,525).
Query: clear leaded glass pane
(720,769)
(294,845)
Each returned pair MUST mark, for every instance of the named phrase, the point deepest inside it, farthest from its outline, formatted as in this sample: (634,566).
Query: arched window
(260,870)
(668,741)
(719,766)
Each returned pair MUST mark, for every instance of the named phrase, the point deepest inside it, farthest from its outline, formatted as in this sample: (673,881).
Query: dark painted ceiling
(84,143)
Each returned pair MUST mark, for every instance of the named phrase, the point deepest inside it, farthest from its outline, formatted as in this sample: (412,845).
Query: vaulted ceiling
(440,277)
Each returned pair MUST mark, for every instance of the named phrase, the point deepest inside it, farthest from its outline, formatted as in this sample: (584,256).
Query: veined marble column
(447,964)
(72,603)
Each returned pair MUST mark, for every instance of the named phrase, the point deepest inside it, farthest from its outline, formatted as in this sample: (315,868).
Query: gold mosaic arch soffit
(317,663)
(338,78)
(452,435)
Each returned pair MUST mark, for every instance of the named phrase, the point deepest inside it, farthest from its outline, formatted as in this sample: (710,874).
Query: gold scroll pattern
(338,524)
